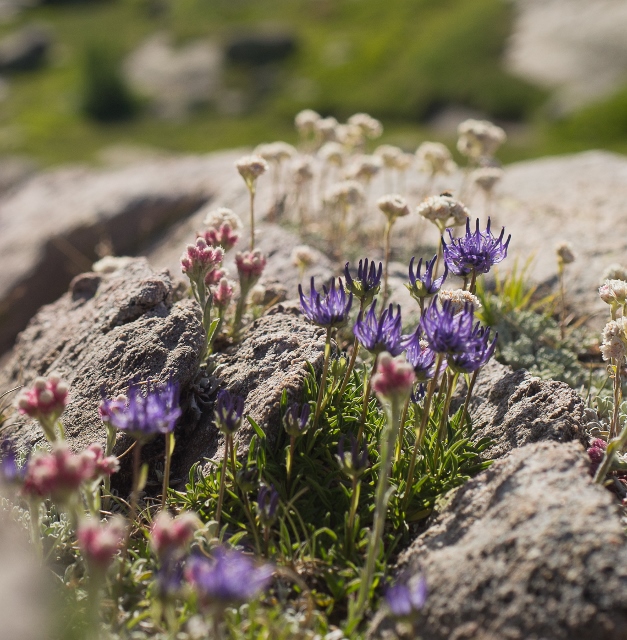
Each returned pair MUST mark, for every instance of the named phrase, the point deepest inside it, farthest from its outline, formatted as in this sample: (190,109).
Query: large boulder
(56,224)
(514,408)
(107,331)
(529,549)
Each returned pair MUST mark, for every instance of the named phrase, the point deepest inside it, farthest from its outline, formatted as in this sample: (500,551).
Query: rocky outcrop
(514,408)
(530,548)
(271,357)
(107,331)
(58,223)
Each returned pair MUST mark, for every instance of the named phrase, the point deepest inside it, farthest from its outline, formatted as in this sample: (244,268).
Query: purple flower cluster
(476,251)
(144,416)
(227,578)
(296,419)
(228,412)
(330,310)
(382,334)
(367,283)
(424,285)
(406,599)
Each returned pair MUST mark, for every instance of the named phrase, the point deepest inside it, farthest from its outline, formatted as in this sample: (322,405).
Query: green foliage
(311,533)
(106,97)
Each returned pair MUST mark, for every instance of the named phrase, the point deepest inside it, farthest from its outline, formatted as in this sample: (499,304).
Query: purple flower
(476,251)
(228,412)
(354,462)
(446,331)
(420,392)
(145,416)
(419,355)
(478,351)
(296,419)
(405,600)
(423,285)
(368,282)
(10,472)
(267,505)
(380,335)
(227,578)
(328,311)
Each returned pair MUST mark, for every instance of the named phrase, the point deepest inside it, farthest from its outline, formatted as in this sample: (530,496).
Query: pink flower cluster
(60,473)
(394,378)
(45,400)
(200,258)
(250,266)
(100,541)
(169,535)
(596,453)
(213,277)
(223,236)
(223,294)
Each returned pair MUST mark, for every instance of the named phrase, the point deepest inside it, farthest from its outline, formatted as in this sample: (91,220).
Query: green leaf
(256,427)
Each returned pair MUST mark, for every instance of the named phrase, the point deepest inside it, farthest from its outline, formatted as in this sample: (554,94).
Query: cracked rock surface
(530,549)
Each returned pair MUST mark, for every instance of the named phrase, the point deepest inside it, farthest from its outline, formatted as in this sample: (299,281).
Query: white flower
(388,154)
(486,177)
(434,158)
(479,138)
(614,291)
(459,298)
(347,192)
(217,217)
(305,121)
(303,256)
(251,167)
(393,206)
(614,339)
(443,209)
(370,126)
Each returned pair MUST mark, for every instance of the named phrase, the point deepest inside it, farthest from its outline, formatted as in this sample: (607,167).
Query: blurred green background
(415,64)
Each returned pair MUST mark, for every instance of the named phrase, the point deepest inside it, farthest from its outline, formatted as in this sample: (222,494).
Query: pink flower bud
(199,259)
(394,378)
(168,535)
(100,541)
(223,294)
(224,236)
(58,474)
(103,466)
(45,400)
(250,266)
(213,277)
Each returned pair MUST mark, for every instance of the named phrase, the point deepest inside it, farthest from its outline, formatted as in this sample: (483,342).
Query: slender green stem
(473,281)
(452,383)
(356,488)
(251,191)
(35,533)
(618,396)
(323,379)
(388,233)
(169,438)
(349,370)
(399,442)
(366,399)
(421,430)
(471,388)
(253,524)
(222,480)
(382,497)
(290,459)
(615,444)
(137,456)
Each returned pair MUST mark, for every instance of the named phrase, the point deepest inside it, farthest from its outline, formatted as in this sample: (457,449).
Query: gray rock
(108,330)
(54,226)
(271,357)
(514,408)
(529,549)
(25,50)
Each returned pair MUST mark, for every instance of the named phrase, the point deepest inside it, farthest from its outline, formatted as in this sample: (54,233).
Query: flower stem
(169,445)
(399,442)
(323,379)
(452,383)
(615,444)
(356,488)
(222,480)
(382,497)
(251,190)
(421,430)
(290,459)
(253,524)
(137,453)
(366,399)
(471,388)
(388,233)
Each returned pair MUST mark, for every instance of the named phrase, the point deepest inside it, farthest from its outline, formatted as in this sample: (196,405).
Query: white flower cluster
(479,139)
(393,206)
(614,346)
(434,158)
(459,298)
(444,210)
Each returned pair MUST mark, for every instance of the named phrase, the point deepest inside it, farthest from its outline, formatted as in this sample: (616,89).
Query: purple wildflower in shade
(10,471)
(422,285)
(169,580)
(445,331)
(383,334)
(406,599)
(420,392)
(478,351)
(145,416)
(419,355)
(367,283)
(267,505)
(228,412)
(476,251)
(330,310)
(355,461)
(228,578)
(296,419)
